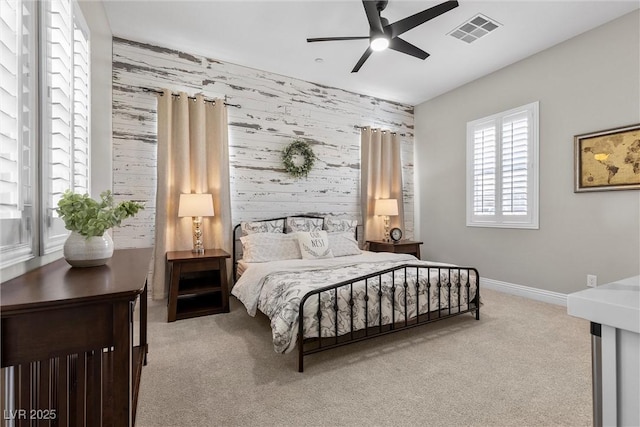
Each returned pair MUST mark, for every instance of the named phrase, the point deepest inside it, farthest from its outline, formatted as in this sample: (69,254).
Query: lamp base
(198,247)
(386,229)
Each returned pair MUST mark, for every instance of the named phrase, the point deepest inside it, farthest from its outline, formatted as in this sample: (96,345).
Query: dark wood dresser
(67,342)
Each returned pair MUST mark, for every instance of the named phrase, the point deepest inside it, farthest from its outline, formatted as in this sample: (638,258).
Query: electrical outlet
(592,280)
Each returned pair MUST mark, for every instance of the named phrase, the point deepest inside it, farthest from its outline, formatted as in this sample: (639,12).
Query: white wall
(589,83)
(274,110)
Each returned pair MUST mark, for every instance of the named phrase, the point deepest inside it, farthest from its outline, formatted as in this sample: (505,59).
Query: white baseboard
(524,291)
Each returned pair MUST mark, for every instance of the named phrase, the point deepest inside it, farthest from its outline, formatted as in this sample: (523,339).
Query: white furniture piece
(615,307)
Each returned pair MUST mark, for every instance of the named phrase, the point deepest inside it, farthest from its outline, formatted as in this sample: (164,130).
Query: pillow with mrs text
(314,244)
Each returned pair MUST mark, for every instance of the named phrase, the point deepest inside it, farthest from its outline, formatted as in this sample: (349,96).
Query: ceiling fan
(383,35)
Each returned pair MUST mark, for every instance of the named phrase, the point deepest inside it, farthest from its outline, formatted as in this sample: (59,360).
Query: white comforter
(276,288)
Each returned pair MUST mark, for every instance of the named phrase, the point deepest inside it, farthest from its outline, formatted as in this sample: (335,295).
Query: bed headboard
(237,233)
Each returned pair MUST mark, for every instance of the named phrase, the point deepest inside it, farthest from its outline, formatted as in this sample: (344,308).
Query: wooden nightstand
(401,247)
(197,283)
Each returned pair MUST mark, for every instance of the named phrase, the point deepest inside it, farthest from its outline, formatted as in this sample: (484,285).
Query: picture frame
(607,160)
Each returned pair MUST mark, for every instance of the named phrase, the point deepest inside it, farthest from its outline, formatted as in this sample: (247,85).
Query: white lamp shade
(386,207)
(195,205)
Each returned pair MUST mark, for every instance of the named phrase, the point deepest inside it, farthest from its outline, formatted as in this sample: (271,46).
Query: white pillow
(275,226)
(314,244)
(345,225)
(303,224)
(262,247)
(343,244)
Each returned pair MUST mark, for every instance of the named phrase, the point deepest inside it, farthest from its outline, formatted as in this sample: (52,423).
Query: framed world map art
(608,160)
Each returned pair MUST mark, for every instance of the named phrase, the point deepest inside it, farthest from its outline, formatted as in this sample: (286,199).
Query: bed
(345,295)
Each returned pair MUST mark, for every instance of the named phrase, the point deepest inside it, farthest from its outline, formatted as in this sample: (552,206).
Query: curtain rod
(376,130)
(159,92)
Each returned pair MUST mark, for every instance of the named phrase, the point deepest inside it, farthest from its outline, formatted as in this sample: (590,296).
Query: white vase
(80,251)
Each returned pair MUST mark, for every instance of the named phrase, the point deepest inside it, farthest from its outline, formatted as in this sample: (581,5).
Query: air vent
(474,28)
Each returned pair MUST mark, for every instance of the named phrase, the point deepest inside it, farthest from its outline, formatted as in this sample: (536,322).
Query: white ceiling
(271,36)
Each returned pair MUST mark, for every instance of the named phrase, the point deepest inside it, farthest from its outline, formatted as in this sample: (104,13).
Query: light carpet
(524,363)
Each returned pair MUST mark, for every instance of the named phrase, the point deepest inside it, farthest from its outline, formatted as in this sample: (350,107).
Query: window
(44,113)
(502,169)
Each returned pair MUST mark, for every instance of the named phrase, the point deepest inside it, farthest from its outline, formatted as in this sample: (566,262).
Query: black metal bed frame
(311,345)
(319,343)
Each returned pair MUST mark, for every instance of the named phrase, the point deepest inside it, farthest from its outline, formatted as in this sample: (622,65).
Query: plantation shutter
(59,58)
(10,141)
(67,105)
(81,104)
(15,107)
(502,182)
(484,169)
(515,159)
(17,137)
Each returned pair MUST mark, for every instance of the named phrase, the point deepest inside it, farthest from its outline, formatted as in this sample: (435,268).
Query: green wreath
(302,148)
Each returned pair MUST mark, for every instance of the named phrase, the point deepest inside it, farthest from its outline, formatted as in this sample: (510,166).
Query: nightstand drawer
(205,265)
(405,249)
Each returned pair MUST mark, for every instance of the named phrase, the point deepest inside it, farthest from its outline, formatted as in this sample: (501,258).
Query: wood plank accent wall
(274,110)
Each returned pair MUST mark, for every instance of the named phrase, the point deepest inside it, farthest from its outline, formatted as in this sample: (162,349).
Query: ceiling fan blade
(413,21)
(363,58)
(371,8)
(403,46)
(331,39)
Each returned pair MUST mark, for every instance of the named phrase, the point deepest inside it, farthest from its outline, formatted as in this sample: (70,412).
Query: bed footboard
(384,302)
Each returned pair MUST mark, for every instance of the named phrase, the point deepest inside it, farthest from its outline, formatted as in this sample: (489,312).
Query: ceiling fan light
(379,43)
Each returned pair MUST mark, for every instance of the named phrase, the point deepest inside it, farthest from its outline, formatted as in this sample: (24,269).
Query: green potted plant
(89,245)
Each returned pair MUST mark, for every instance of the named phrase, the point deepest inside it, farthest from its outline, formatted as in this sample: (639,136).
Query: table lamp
(386,208)
(196,206)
